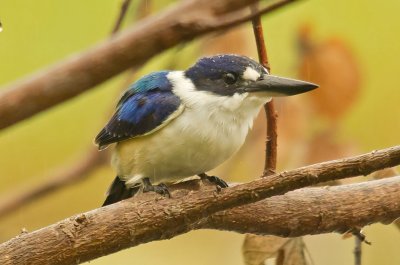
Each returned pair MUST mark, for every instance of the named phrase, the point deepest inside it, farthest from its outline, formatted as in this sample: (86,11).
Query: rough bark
(148,217)
(310,211)
(130,48)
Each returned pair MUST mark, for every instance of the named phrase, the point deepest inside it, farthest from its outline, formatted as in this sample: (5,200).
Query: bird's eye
(230,78)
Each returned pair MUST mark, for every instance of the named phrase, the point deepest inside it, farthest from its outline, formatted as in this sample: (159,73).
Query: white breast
(210,129)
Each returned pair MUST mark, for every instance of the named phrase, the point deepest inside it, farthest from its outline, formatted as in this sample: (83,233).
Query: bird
(170,125)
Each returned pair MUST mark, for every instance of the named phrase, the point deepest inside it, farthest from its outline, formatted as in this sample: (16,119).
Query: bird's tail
(118,191)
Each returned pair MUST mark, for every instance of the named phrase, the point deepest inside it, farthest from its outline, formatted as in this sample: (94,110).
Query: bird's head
(227,75)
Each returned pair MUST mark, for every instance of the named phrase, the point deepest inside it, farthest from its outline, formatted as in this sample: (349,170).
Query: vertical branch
(121,15)
(357,251)
(271,142)
(271,116)
(280,257)
(359,239)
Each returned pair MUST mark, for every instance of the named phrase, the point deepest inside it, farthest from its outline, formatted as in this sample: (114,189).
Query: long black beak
(276,86)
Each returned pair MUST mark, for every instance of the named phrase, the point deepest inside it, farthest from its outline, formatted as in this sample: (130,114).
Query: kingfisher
(170,125)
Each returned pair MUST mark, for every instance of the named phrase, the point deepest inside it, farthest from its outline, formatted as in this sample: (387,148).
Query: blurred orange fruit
(332,65)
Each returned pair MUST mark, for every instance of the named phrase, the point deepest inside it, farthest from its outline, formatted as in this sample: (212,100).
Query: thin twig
(272,139)
(259,36)
(121,16)
(236,18)
(271,115)
(280,257)
(357,251)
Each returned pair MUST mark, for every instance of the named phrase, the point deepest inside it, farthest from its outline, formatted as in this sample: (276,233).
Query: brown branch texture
(150,217)
(131,48)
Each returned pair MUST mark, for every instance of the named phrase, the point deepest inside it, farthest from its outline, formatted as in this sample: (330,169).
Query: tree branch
(131,48)
(124,8)
(310,211)
(149,217)
(271,143)
(271,140)
(357,250)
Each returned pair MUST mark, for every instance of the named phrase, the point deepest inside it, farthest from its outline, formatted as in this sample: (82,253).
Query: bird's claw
(161,188)
(214,179)
(217,181)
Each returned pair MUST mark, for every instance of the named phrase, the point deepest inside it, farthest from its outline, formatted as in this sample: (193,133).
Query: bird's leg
(160,188)
(214,179)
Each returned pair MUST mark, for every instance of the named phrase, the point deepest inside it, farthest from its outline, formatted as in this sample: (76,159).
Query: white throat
(241,105)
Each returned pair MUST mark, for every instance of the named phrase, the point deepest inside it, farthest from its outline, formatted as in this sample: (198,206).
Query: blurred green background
(39,33)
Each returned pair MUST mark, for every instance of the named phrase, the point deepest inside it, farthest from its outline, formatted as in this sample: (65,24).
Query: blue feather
(143,108)
(157,104)
(152,81)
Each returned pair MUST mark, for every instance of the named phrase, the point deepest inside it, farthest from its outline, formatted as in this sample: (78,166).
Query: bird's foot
(161,188)
(214,179)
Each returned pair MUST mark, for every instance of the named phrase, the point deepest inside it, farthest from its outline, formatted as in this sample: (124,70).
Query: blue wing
(146,107)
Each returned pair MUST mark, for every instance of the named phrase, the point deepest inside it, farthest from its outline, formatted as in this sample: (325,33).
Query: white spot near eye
(250,74)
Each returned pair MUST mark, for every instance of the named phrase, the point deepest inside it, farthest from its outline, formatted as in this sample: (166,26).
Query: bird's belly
(181,149)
